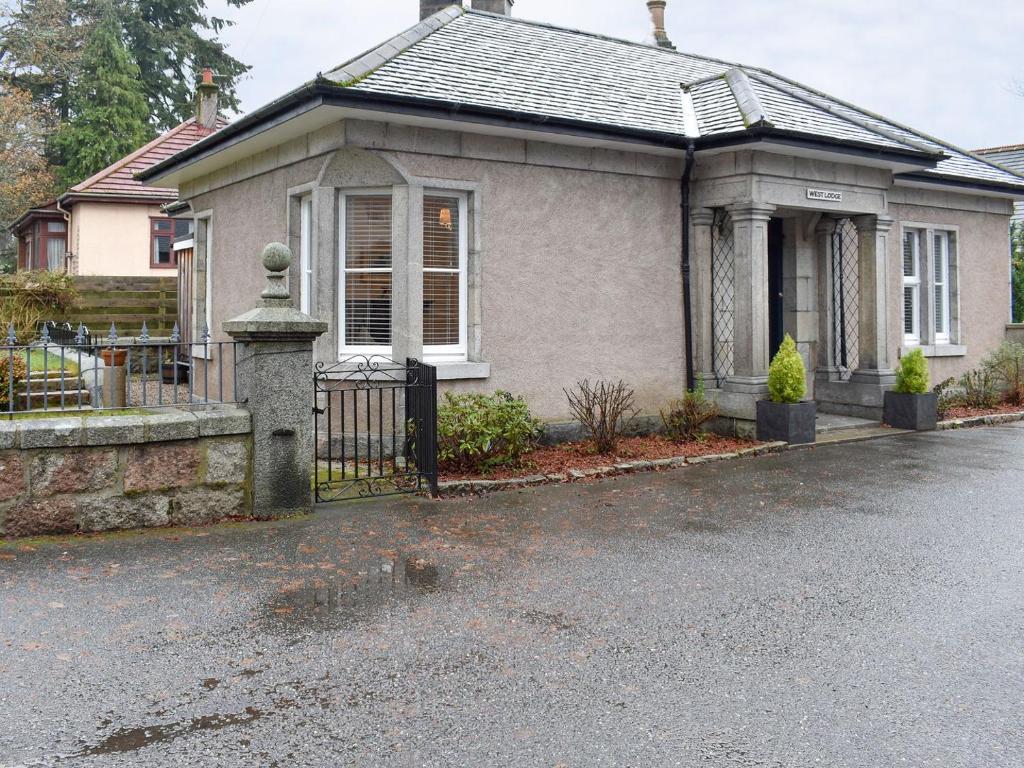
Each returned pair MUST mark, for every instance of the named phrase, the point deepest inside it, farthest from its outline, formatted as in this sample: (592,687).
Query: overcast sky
(945,67)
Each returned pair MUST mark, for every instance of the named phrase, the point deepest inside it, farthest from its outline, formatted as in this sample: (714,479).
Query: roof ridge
(599,36)
(825,107)
(751,109)
(1004,148)
(114,167)
(357,68)
(918,134)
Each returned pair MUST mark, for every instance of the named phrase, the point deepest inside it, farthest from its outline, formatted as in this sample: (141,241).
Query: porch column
(701,288)
(750,349)
(825,366)
(875,367)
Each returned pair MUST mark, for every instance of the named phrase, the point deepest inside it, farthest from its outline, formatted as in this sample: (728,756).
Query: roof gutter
(951,181)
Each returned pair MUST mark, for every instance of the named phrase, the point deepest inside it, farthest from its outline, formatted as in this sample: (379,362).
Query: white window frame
(913,282)
(941,265)
(306,254)
(344,350)
(454,353)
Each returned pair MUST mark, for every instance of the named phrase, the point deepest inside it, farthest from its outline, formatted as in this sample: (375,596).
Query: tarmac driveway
(858,605)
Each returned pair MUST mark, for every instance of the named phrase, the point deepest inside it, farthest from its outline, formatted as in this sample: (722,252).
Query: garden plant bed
(957,418)
(571,462)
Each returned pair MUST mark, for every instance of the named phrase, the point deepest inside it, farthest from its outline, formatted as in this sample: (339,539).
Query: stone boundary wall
(64,475)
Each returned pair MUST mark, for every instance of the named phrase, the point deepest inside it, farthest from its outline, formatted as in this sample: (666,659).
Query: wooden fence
(126,301)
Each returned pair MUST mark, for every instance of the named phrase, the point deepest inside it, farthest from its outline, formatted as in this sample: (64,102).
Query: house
(110,224)
(1012,157)
(525,206)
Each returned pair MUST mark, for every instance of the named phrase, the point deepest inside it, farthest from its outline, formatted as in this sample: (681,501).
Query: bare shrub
(685,419)
(605,409)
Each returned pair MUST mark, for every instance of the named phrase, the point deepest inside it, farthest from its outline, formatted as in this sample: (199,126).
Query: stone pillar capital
(750,211)
(702,217)
(880,224)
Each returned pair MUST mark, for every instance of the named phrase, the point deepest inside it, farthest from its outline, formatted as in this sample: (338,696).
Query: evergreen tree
(110,114)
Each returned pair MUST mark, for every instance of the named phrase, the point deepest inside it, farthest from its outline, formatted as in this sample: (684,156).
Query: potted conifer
(786,416)
(909,405)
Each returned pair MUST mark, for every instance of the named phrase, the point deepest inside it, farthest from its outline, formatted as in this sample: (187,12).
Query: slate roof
(118,179)
(481,59)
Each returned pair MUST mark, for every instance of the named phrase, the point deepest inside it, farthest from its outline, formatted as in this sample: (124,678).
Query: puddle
(347,601)
(133,739)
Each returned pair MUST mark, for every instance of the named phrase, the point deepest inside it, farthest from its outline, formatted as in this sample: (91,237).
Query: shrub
(912,374)
(949,397)
(605,410)
(686,418)
(481,432)
(1006,367)
(787,377)
(20,373)
(978,389)
(28,298)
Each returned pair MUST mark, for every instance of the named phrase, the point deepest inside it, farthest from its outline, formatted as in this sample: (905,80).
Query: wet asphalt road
(857,605)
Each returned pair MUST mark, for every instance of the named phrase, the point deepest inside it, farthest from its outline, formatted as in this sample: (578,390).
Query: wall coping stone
(71,431)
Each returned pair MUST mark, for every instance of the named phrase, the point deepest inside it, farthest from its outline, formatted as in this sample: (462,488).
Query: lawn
(39,362)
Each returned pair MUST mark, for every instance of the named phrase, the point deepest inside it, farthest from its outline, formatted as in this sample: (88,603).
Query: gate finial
(277,257)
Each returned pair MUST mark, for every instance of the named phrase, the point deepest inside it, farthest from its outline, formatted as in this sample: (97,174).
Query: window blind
(368,270)
(442,271)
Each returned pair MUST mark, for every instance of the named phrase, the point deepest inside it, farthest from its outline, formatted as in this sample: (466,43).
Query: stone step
(35,400)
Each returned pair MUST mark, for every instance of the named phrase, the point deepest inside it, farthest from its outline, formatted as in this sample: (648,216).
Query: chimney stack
(430,7)
(207,101)
(657,9)
(503,7)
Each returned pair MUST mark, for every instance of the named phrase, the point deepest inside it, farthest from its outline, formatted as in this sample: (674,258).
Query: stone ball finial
(277,257)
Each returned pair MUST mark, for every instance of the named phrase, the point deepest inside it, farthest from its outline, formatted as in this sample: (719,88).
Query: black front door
(776,308)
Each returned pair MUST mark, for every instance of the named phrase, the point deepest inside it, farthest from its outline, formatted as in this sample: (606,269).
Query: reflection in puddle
(387,581)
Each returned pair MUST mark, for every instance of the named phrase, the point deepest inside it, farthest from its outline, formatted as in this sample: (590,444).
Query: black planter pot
(167,374)
(793,423)
(917,412)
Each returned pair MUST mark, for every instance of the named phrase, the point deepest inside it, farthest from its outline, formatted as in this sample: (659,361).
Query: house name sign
(825,195)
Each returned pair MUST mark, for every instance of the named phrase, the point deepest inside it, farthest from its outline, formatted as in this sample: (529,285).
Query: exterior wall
(983,271)
(66,475)
(114,239)
(578,253)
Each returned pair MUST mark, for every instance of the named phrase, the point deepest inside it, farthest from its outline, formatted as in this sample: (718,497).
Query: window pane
(55,249)
(440,308)
(56,226)
(368,232)
(909,266)
(368,308)
(909,311)
(162,249)
(162,225)
(441,232)
(182,227)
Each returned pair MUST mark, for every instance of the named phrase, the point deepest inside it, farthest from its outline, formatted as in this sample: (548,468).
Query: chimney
(430,7)
(206,101)
(657,9)
(502,7)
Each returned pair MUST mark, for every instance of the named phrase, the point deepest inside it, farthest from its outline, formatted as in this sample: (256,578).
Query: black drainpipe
(691,379)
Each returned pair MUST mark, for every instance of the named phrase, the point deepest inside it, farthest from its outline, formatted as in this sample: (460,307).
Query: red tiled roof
(119,179)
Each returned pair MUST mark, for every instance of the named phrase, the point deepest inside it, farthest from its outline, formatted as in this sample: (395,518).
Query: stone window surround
(471,368)
(928,344)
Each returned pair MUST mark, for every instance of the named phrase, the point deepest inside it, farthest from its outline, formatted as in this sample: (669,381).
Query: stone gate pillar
(275,382)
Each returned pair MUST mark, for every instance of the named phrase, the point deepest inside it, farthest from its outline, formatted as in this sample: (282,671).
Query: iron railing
(65,334)
(374,428)
(81,373)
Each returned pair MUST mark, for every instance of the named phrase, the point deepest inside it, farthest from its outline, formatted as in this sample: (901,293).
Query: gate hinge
(319,411)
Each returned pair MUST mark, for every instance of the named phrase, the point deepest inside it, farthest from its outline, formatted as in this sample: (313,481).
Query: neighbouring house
(110,224)
(526,206)
(1011,157)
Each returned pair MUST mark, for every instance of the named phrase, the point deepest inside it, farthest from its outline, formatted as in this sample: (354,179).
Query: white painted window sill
(937,350)
(462,371)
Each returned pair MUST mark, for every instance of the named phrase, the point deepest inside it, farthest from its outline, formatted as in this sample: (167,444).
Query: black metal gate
(374,428)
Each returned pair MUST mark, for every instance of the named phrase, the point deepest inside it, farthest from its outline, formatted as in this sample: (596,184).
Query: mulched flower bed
(560,459)
(962,412)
